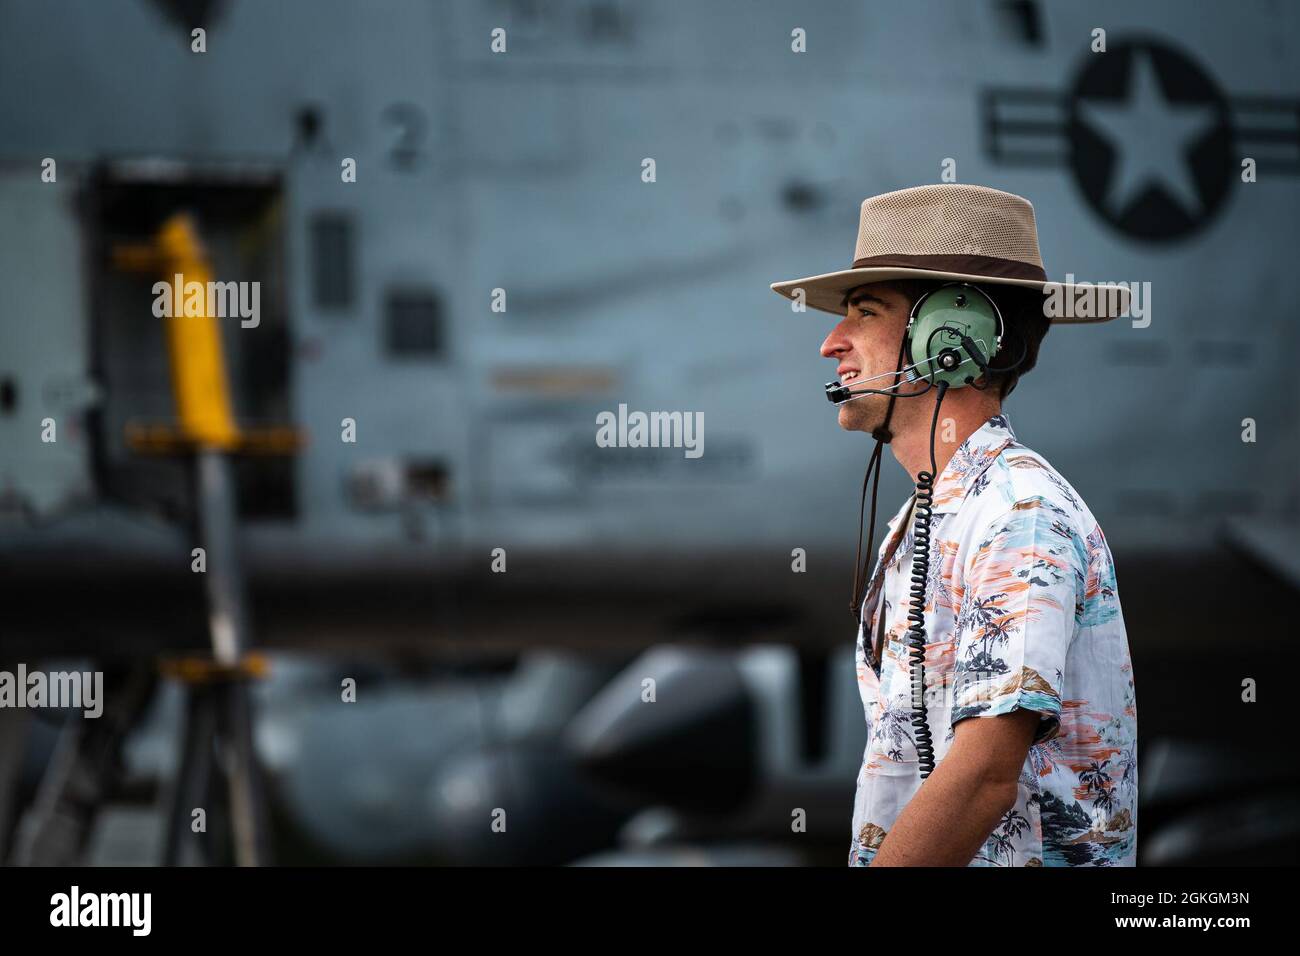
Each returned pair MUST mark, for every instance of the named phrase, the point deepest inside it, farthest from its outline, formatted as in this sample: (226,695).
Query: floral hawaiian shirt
(1022,612)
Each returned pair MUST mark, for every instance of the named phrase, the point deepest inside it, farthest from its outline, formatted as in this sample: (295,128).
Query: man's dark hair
(1023,319)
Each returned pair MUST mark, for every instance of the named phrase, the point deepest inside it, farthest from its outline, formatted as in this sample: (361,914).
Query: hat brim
(826,292)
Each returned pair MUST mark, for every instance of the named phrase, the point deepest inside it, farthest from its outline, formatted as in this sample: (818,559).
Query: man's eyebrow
(856,297)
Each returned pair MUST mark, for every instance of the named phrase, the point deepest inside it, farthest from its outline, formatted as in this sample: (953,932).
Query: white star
(1151,136)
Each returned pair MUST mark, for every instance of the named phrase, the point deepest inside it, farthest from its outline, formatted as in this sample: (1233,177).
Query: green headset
(953,332)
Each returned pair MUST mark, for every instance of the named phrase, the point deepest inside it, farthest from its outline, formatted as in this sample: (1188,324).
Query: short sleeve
(1017,614)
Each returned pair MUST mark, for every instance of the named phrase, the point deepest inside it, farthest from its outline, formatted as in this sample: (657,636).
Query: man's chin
(856,416)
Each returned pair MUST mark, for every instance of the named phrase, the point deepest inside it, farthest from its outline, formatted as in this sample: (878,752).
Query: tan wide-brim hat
(953,232)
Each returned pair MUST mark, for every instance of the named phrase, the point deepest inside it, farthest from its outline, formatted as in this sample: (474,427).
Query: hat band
(990,266)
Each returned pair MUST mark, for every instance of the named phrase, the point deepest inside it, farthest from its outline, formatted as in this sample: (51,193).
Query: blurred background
(493,587)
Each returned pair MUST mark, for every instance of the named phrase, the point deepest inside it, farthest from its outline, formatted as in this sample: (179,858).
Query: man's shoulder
(1021,479)
(1024,510)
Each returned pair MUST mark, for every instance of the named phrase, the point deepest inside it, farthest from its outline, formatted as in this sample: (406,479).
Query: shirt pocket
(886,785)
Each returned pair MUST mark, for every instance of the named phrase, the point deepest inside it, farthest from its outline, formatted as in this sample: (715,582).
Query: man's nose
(836,343)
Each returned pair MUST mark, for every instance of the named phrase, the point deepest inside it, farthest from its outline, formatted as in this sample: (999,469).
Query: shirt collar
(966,467)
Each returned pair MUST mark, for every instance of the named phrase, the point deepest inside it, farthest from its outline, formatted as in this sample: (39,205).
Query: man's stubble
(864,414)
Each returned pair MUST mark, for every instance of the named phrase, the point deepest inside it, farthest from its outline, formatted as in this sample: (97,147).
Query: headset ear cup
(954,317)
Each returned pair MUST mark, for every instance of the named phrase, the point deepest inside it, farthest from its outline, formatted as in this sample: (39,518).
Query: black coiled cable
(916,607)
(916,615)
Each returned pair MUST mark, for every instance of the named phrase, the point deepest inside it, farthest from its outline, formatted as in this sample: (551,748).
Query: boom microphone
(839,394)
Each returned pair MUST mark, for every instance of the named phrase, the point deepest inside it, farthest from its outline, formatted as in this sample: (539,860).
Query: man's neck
(957,422)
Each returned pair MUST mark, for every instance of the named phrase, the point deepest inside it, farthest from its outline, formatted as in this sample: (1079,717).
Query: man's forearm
(948,820)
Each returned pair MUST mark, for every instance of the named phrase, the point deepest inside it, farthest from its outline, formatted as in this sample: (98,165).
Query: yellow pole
(194,340)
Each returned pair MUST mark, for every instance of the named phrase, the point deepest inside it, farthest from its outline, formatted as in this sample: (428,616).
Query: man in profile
(1029,716)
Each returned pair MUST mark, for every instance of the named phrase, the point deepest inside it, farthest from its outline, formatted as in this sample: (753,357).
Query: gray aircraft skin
(481,174)
(523,172)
